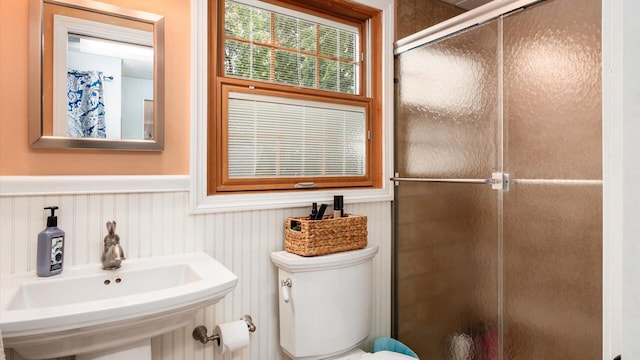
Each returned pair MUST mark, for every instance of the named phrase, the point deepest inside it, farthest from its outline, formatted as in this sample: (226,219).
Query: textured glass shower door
(553,212)
(492,274)
(447,242)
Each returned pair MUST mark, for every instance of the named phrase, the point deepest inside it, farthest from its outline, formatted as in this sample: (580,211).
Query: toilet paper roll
(233,336)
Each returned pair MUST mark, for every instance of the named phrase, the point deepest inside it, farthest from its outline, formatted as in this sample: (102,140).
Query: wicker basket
(327,236)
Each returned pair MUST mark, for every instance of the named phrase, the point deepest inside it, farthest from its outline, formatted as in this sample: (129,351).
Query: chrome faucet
(112,253)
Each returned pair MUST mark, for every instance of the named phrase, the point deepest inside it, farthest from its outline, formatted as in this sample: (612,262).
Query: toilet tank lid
(295,263)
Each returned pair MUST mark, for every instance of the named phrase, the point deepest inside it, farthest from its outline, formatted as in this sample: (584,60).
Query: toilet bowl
(325,305)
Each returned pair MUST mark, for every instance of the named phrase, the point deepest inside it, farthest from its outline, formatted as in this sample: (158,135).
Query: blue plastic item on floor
(389,344)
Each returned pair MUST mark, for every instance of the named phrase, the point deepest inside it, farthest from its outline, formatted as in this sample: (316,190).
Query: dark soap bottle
(50,247)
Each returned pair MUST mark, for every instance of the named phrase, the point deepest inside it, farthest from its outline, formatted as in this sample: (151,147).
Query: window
(271,136)
(270,46)
(295,100)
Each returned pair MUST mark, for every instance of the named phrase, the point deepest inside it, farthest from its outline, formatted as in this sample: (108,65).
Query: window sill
(281,200)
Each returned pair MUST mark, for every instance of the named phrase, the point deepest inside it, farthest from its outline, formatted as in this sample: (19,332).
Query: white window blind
(267,45)
(272,136)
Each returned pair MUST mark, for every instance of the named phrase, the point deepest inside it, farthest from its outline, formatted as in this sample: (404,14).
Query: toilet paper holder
(200,332)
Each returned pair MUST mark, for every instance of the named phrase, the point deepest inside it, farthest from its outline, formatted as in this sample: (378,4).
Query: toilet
(325,305)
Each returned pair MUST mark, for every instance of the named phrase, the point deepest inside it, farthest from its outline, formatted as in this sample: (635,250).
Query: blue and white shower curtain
(85,104)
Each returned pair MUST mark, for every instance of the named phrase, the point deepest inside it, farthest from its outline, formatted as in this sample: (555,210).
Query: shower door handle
(498,180)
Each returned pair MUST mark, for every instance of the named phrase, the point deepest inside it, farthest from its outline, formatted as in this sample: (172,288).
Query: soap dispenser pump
(50,247)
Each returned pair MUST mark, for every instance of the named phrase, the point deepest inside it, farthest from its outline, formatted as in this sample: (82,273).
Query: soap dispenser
(50,247)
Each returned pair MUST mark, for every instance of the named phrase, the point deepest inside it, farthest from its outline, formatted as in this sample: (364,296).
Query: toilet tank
(328,310)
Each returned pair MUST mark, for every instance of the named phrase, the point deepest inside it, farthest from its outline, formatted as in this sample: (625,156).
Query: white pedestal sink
(103,314)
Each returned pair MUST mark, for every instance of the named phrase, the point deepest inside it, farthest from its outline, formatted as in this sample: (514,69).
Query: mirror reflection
(101,76)
(108,84)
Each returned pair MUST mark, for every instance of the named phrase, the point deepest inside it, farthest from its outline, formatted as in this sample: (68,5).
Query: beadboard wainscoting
(159,223)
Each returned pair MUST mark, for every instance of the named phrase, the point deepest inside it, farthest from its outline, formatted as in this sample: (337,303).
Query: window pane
(275,137)
(328,41)
(347,78)
(294,69)
(307,36)
(261,65)
(237,59)
(245,22)
(261,26)
(286,31)
(237,20)
(347,46)
(295,34)
(301,49)
(328,74)
(247,61)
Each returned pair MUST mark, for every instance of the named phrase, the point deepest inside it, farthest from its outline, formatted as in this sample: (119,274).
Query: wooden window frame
(370,95)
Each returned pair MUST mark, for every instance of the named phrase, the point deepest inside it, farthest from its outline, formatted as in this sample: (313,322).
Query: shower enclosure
(513,272)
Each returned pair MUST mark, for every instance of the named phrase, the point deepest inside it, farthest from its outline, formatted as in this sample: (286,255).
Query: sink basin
(87,310)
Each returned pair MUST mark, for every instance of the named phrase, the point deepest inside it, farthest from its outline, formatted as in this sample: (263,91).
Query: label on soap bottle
(56,253)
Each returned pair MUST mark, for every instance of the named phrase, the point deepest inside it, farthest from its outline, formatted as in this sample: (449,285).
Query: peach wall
(16,158)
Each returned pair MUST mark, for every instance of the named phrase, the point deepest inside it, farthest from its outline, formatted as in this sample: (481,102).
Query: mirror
(96,76)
